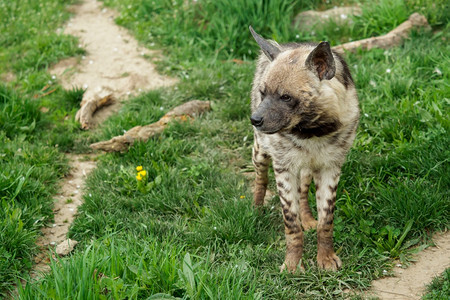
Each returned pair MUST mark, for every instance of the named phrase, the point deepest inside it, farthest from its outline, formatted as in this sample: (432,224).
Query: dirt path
(114,63)
(67,202)
(410,283)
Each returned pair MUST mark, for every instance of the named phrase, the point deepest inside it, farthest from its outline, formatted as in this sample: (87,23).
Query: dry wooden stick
(393,38)
(188,110)
(88,109)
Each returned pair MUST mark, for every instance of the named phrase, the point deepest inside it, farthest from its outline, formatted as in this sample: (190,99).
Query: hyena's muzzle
(274,114)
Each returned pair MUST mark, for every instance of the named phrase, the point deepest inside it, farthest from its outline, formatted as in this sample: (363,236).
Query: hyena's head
(290,88)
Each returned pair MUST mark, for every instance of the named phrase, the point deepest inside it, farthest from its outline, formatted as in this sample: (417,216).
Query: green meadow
(194,233)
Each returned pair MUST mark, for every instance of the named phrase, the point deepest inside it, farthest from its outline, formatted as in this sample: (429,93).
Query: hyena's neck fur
(313,146)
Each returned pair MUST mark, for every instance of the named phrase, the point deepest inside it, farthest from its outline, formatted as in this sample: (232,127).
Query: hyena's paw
(291,267)
(309,224)
(329,261)
(292,264)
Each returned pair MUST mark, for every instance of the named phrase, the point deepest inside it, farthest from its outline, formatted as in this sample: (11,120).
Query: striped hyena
(304,113)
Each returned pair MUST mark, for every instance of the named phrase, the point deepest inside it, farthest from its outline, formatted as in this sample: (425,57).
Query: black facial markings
(307,131)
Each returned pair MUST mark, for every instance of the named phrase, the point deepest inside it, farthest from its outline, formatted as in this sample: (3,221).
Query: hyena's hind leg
(308,221)
(261,163)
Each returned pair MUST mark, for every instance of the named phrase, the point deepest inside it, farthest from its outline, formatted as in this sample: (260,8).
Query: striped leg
(326,183)
(287,183)
(308,221)
(261,163)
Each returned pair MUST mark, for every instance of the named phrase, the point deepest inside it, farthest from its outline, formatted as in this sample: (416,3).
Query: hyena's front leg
(308,221)
(261,162)
(287,183)
(326,183)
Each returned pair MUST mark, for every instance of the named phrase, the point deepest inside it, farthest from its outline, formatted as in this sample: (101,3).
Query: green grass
(195,233)
(33,127)
(439,288)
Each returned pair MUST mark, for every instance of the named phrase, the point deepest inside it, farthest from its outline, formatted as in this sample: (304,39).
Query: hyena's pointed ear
(321,61)
(270,49)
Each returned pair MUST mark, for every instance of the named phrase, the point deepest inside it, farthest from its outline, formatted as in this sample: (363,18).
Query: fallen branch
(393,38)
(88,109)
(182,112)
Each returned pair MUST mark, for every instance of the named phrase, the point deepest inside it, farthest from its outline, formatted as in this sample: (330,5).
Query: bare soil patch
(65,209)
(114,63)
(410,283)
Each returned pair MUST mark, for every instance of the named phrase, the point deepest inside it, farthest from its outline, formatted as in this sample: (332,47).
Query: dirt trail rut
(114,63)
(67,202)
(409,284)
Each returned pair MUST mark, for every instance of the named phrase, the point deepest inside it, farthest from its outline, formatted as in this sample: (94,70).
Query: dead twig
(393,38)
(182,112)
(88,109)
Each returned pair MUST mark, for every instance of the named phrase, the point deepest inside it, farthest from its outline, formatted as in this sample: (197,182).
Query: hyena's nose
(256,120)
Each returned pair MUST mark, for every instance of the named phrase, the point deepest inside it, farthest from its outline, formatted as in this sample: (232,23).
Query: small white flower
(115,49)
(75,192)
(85,86)
(128,93)
(49,82)
(79,46)
(78,186)
(161,108)
(272,207)
(297,36)
(53,243)
(215,228)
(437,71)
(398,265)
(90,195)
(372,83)
(71,209)
(91,62)
(152,44)
(388,70)
(83,57)
(245,138)
(343,16)
(313,32)
(366,115)
(53,77)
(231,50)
(384,272)
(124,131)
(53,225)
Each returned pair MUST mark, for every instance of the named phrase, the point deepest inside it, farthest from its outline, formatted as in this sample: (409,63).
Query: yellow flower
(139,168)
(139,177)
(143,173)
(242,196)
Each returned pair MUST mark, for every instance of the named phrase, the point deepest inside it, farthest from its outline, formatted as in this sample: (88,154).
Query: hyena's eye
(285,98)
